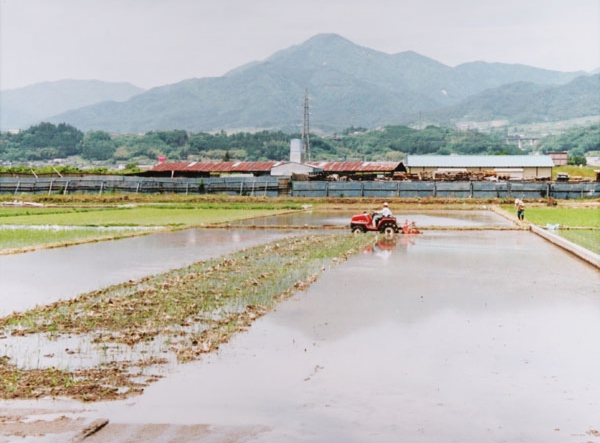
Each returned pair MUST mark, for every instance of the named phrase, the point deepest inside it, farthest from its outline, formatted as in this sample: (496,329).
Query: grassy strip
(575,171)
(135,216)
(208,200)
(19,240)
(587,238)
(22,211)
(220,200)
(196,309)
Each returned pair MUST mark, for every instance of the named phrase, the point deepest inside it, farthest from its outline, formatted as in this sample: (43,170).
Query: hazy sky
(156,42)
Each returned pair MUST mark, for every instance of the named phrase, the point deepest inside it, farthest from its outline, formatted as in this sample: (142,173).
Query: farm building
(560,158)
(357,170)
(211,169)
(289,169)
(513,167)
(343,170)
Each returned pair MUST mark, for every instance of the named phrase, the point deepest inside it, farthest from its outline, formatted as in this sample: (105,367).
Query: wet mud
(480,336)
(474,337)
(43,276)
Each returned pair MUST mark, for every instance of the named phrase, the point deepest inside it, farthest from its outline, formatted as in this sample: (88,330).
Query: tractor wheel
(389,230)
(357,230)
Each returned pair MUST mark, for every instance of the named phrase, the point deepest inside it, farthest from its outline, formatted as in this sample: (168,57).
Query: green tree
(176,138)
(97,145)
(577,160)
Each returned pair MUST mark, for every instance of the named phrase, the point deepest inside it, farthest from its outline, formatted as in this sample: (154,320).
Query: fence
(274,186)
(257,186)
(407,189)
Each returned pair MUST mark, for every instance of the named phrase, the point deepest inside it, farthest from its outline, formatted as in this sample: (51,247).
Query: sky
(156,42)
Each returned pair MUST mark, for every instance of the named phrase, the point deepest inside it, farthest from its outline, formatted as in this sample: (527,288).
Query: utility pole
(305,127)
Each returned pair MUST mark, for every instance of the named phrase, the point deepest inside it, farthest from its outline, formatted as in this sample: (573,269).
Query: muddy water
(445,336)
(423,219)
(450,336)
(45,276)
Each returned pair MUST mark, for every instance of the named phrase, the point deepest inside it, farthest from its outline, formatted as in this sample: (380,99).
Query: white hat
(385,204)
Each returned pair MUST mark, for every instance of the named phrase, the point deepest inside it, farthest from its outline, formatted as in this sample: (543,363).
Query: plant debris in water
(193,309)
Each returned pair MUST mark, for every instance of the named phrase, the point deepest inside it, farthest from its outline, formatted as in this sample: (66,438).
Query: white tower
(296,150)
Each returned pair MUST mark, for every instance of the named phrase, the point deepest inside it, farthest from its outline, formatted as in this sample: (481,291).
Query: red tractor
(364,222)
(386,225)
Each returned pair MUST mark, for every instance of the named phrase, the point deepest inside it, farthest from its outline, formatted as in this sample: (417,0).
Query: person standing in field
(520,205)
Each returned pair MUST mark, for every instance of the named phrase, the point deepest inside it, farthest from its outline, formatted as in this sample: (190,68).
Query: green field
(21,228)
(180,215)
(568,217)
(578,225)
(16,238)
(131,216)
(587,238)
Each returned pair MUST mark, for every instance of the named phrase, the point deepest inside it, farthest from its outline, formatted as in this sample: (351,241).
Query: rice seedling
(24,229)
(19,238)
(581,217)
(186,312)
(147,215)
(578,225)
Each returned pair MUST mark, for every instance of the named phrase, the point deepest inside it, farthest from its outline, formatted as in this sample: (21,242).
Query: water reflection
(442,341)
(384,246)
(44,276)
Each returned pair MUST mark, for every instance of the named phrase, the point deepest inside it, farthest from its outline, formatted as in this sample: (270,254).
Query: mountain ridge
(28,105)
(348,84)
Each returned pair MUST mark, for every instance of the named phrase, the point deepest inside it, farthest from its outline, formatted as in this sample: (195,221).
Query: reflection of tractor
(383,247)
(364,222)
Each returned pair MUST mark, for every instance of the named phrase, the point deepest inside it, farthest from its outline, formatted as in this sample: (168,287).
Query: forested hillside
(348,85)
(526,102)
(47,141)
(577,141)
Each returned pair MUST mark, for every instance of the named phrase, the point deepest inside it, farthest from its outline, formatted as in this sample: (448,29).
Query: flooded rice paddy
(483,336)
(341,218)
(44,276)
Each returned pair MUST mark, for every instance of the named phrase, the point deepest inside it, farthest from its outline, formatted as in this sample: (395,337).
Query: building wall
(560,158)
(540,173)
(287,169)
(515,173)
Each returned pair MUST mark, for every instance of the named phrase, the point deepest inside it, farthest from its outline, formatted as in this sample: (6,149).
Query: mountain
(526,102)
(348,85)
(22,107)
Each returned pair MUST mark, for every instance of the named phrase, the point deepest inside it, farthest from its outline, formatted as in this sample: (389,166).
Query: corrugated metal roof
(216,167)
(180,166)
(356,166)
(224,167)
(479,161)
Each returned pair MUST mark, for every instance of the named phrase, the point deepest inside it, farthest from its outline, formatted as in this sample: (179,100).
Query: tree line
(46,141)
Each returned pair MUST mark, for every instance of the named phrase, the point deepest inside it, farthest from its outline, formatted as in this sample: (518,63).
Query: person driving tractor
(385,212)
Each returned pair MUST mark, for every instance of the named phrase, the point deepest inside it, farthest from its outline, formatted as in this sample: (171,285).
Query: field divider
(579,251)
